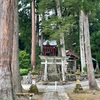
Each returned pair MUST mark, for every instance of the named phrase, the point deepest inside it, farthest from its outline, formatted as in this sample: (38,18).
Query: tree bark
(33,62)
(82,41)
(90,69)
(41,17)
(37,28)
(6,39)
(41,44)
(15,58)
(62,42)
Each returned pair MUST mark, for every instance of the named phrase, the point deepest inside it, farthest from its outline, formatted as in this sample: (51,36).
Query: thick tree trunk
(37,22)
(41,44)
(82,41)
(33,62)
(41,17)
(62,42)
(15,59)
(90,69)
(6,39)
(37,28)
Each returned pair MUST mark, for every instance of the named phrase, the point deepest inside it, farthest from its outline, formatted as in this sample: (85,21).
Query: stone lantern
(78,88)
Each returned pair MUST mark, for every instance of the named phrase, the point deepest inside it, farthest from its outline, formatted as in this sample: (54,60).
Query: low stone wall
(26,79)
(53,77)
(72,77)
(97,75)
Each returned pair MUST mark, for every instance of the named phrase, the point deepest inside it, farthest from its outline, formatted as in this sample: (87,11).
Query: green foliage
(45,5)
(89,5)
(78,88)
(24,71)
(50,25)
(85,69)
(24,60)
(24,25)
(95,45)
(34,73)
(38,61)
(95,35)
(53,26)
(70,5)
(77,72)
(33,89)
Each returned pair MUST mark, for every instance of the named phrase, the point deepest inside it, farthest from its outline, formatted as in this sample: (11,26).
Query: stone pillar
(74,67)
(63,73)
(45,70)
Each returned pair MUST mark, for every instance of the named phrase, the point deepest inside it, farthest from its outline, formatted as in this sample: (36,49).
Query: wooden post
(45,70)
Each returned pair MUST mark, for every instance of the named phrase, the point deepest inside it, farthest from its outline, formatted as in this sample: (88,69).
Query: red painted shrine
(50,49)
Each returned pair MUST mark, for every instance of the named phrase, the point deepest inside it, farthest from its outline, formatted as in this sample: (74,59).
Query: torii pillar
(45,71)
(63,71)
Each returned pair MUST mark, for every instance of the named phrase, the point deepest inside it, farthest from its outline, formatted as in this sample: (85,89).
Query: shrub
(78,88)
(24,60)
(38,60)
(77,72)
(33,89)
(35,73)
(24,71)
(85,69)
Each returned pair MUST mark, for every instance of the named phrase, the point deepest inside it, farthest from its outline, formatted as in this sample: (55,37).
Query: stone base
(78,88)
(52,78)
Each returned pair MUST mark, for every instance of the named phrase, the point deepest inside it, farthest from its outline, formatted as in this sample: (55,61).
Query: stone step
(53,83)
(53,77)
(52,94)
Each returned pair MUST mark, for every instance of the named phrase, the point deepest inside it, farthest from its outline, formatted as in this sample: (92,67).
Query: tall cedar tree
(15,59)
(6,40)
(85,40)
(33,41)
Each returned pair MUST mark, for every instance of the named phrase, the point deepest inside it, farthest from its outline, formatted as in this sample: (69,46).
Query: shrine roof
(71,52)
(52,42)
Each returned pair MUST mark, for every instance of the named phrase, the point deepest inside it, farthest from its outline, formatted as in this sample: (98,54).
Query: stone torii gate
(54,60)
